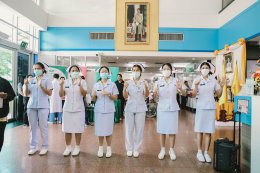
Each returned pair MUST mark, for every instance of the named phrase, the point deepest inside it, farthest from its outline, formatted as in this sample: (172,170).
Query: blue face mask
(37,72)
(74,75)
(104,75)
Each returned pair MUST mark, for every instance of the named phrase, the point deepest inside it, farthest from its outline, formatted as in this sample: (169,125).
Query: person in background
(73,120)
(166,90)
(205,87)
(38,108)
(135,92)
(20,105)
(25,102)
(62,98)
(120,86)
(85,104)
(7,94)
(55,101)
(184,98)
(104,93)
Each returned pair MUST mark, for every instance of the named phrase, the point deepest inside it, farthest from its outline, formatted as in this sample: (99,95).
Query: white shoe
(67,151)
(32,151)
(76,151)
(136,154)
(43,152)
(200,157)
(129,153)
(100,152)
(172,154)
(109,152)
(207,157)
(161,154)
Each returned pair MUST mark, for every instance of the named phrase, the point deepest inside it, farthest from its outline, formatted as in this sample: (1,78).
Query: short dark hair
(56,76)
(204,63)
(168,64)
(185,81)
(29,75)
(103,67)
(74,66)
(138,66)
(62,77)
(119,74)
(42,66)
(82,77)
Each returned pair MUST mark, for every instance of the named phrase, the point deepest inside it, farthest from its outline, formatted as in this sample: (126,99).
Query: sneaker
(76,151)
(32,151)
(43,152)
(172,154)
(136,154)
(109,152)
(67,151)
(100,152)
(200,157)
(161,154)
(129,153)
(207,157)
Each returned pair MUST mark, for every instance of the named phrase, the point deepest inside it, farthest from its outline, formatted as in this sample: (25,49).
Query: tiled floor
(14,158)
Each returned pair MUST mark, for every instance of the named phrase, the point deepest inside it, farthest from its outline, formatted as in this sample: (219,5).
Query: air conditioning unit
(4,36)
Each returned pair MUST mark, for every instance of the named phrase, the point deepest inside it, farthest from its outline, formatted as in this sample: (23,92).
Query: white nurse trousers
(134,129)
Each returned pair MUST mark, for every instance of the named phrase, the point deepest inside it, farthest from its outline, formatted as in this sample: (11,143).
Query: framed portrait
(137,23)
(229,62)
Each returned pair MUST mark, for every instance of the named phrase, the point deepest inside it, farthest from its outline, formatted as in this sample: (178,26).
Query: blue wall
(74,38)
(195,39)
(246,25)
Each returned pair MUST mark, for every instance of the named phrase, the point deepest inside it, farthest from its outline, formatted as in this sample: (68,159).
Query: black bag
(227,153)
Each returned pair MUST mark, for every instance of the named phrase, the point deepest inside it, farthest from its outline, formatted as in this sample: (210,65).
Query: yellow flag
(223,98)
(235,84)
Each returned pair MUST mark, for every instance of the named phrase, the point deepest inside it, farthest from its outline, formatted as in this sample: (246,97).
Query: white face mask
(136,74)
(204,72)
(166,73)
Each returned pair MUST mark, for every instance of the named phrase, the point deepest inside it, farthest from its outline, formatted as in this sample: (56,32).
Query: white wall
(30,10)
(187,13)
(87,13)
(233,10)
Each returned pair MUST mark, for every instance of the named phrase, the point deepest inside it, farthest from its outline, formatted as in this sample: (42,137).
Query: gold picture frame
(137,23)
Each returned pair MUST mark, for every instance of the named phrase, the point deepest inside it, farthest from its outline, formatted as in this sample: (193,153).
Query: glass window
(63,60)
(78,60)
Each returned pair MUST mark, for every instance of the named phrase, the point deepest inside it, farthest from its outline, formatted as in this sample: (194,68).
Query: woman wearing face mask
(39,89)
(104,92)
(73,120)
(135,92)
(167,109)
(204,88)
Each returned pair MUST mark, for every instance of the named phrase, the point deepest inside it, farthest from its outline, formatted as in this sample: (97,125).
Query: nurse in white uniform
(104,92)
(73,120)
(38,89)
(135,92)
(55,100)
(204,88)
(168,109)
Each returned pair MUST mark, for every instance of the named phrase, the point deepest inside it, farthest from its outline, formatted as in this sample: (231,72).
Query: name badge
(202,84)
(66,86)
(162,85)
(98,90)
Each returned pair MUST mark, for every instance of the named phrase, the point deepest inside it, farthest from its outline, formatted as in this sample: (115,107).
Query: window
(63,60)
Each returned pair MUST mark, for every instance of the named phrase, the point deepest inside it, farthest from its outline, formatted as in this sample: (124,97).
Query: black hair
(62,77)
(205,63)
(119,74)
(82,77)
(74,66)
(42,66)
(138,66)
(185,81)
(21,79)
(56,76)
(103,67)
(168,64)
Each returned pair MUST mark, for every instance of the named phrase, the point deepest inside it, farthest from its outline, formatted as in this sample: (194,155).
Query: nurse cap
(140,65)
(173,68)
(68,69)
(212,67)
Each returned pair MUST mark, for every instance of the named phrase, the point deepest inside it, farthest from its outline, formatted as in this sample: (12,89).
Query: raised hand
(62,82)
(197,81)
(3,95)
(223,81)
(26,81)
(179,85)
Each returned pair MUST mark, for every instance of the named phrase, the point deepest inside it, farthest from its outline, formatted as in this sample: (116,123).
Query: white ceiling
(107,6)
